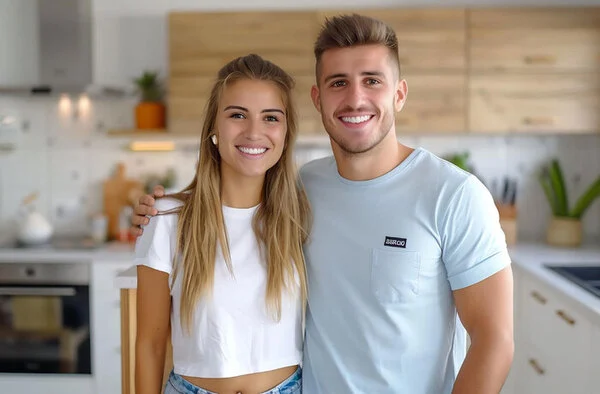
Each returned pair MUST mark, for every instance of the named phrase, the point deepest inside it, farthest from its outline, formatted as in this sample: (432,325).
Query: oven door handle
(38,291)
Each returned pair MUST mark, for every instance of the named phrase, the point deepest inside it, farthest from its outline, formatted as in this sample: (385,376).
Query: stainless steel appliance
(45,318)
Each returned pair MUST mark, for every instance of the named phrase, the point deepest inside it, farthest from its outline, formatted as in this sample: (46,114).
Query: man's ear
(400,96)
(316,97)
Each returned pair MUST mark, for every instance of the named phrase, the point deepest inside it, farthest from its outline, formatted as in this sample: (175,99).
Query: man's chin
(355,147)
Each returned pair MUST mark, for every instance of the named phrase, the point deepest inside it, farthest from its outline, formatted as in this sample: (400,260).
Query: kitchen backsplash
(61,150)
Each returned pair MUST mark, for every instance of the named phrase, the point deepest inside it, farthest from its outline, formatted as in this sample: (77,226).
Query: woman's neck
(243,192)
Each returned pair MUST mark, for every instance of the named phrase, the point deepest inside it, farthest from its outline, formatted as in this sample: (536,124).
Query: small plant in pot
(150,113)
(565,227)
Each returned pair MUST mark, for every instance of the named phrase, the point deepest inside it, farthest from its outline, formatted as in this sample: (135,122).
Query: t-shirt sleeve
(156,247)
(473,243)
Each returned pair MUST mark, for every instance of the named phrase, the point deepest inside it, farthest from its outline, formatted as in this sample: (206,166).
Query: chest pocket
(395,275)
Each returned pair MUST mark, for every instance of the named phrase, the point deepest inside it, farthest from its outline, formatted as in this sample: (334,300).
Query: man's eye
(338,84)
(372,81)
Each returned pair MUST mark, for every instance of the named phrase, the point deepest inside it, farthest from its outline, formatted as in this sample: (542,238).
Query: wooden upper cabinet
(428,39)
(536,39)
(200,43)
(436,103)
(540,103)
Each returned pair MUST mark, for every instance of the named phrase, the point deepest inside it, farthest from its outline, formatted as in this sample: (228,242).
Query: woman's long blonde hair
(281,222)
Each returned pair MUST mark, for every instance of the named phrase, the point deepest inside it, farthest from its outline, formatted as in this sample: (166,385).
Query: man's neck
(379,160)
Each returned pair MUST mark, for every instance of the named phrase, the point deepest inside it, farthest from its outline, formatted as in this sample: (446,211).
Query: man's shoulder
(316,167)
(439,172)
(442,166)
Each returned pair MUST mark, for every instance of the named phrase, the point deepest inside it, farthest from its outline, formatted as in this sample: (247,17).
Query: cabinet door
(106,324)
(594,357)
(435,104)
(534,39)
(556,337)
(534,103)
(201,43)
(536,375)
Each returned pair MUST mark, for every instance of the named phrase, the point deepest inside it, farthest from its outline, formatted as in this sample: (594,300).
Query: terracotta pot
(150,115)
(564,232)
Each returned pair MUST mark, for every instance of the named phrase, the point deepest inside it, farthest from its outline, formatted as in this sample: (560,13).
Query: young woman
(221,266)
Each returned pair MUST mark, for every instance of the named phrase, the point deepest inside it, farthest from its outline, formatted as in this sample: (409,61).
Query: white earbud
(214,139)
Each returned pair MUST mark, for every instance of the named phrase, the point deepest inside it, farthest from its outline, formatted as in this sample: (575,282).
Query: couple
(398,244)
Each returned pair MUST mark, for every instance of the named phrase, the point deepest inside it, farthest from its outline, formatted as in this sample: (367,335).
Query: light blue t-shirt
(383,258)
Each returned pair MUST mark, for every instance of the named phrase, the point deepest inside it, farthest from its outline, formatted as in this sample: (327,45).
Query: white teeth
(356,119)
(252,151)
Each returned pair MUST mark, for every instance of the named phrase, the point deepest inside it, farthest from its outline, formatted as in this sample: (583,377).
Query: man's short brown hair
(351,30)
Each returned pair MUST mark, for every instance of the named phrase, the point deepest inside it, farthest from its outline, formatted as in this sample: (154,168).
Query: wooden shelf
(137,132)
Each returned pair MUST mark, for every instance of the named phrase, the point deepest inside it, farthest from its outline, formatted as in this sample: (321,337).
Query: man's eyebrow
(364,73)
(238,107)
(334,76)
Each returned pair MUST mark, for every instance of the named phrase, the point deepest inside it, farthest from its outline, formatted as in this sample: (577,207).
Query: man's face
(358,94)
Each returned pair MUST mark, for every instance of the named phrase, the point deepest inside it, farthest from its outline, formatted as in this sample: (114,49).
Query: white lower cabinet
(553,342)
(106,323)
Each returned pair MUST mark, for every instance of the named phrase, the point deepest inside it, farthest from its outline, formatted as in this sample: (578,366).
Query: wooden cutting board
(118,192)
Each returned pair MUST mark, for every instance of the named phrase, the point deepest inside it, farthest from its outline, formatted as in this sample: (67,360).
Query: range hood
(46,47)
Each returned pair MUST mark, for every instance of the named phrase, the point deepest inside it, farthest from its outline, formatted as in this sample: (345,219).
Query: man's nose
(355,97)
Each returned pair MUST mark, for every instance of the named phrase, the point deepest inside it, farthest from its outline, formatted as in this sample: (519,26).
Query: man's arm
(486,311)
(143,209)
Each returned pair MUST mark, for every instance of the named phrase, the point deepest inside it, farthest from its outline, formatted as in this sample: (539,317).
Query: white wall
(131,35)
(66,160)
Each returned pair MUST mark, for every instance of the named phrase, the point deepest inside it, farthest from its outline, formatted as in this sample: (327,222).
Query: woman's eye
(237,115)
(271,118)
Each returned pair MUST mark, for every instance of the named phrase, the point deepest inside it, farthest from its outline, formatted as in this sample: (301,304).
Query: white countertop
(529,257)
(127,279)
(532,257)
(112,251)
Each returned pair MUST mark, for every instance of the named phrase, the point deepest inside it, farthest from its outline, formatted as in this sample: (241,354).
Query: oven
(45,318)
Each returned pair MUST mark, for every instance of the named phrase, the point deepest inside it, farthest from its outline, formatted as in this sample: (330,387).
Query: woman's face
(250,127)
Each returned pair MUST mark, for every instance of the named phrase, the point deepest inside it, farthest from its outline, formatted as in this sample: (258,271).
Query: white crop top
(232,332)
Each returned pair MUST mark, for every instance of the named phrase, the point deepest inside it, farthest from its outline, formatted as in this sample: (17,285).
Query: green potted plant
(150,113)
(565,227)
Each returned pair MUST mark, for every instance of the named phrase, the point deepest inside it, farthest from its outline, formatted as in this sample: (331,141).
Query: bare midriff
(255,383)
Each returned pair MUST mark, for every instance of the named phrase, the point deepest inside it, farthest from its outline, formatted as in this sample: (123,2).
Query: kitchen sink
(585,276)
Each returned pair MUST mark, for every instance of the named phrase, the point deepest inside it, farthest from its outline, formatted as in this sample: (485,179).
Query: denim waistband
(289,386)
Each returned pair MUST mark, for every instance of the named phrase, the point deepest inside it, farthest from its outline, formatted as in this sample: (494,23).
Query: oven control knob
(30,271)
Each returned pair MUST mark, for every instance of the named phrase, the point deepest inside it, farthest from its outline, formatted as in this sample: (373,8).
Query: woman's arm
(153,312)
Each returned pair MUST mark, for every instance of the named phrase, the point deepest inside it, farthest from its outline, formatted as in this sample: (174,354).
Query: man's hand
(143,209)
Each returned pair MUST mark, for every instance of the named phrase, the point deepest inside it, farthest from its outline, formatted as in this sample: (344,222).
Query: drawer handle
(534,364)
(565,317)
(539,121)
(539,59)
(538,297)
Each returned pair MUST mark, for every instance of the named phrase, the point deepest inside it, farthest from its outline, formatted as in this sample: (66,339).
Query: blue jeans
(178,385)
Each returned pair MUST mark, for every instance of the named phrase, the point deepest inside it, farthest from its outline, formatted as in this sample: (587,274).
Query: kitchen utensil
(119,192)
(33,227)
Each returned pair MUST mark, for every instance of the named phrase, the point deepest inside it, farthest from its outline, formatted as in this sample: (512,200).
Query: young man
(402,245)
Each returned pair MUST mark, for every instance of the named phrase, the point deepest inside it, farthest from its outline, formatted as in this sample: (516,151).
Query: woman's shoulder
(165,204)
